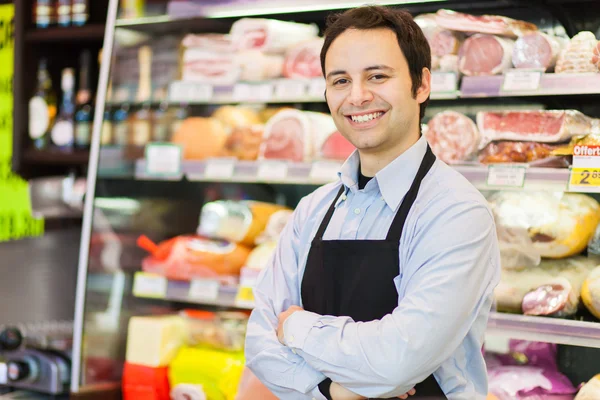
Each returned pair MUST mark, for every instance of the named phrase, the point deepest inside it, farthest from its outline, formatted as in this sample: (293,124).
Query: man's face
(369,91)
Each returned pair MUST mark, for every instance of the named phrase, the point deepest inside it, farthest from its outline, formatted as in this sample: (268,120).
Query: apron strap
(327,218)
(395,232)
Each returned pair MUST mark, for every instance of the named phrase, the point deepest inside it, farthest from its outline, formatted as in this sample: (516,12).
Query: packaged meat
(559,224)
(529,382)
(210,67)
(251,388)
(427,23)
(546,126)
(516,248)
(188,257)
(596,56)
(515,284)
(484,54)
(553,299)
(303,60)
(277,222)
(244,142)
(214,42)
(216,330)
(256,66)
(591,390)
(452,136)
(236,116)
(335,147)
(577,56)
(536,50)
(590,292)
(293,135)
(489,24)
(514,152)
(236,221)
(444,42)
(269,35)
(201,138)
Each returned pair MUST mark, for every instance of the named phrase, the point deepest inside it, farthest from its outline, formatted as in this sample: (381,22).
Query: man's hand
(282,317)
(338,392)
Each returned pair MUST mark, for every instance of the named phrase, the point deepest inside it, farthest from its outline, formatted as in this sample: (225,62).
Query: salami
(490,24)
(485,55)
(536,50)
(452,136)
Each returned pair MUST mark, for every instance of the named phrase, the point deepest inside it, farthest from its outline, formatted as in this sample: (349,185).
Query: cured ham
(452,136)
(269,35)
(490,24)
(304,60)
(536,50)
(485,55)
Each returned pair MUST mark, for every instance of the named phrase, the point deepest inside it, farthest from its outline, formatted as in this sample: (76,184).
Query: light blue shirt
(449,267)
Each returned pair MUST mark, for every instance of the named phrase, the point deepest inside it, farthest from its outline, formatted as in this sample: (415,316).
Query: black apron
(355,278)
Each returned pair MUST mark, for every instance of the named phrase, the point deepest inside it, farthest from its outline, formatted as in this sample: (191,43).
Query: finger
(412,391)
(404,396)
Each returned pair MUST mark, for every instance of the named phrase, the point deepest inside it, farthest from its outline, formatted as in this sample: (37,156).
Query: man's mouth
(365,117)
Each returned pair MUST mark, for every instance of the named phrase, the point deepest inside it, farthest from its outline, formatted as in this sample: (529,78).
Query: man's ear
(424,90)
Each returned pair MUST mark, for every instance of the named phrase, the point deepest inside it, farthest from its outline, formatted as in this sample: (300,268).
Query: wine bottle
(43,13)
(80,12)
(42,108)
(63,12)
(84,105)
(63,130)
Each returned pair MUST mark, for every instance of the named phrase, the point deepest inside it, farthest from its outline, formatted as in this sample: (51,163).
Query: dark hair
(411,39)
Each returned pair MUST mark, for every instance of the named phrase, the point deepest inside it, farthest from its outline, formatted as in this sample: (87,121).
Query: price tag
(149,285)
(521,80)
(585,179)
(316,88)
(242,92)
(245,294)
(443,82)
(200,93)
(264,92)
(324,171)
(204,290)
(290,89)
(3,374)
(272,170)
(506,175)
(163,159)
(190,92)
(219,169)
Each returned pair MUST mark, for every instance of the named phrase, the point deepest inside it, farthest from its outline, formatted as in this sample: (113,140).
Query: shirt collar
(394,179)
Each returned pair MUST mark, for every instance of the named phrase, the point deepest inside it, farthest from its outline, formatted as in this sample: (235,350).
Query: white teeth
(367,117)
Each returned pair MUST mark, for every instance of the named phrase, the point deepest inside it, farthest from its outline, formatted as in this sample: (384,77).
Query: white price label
(242,92)
(521,80)
(3,374)
(272,170)
(506,175)
(204,290)
(200,93)
(290,89)
(190,92)
(219,169)
(324,171)
(163,159)
(443,82)
(264,92)
(149,285)
(316,88)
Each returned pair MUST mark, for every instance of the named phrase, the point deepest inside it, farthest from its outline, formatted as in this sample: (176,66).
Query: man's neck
(373,162)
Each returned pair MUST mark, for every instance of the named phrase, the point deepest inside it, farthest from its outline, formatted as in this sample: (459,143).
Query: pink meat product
(536,50)
(490,24)
(258,66)
(485,55)
(452,136)
(304,60)
(444,42)
(596,56)
(556,298)
(294,135)
(529,382)
(269,35)
(546,126)
(578,54)
(336,147)
(209,41)
(210,67)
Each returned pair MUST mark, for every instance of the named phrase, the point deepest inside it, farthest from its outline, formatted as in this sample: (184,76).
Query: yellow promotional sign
(16,220)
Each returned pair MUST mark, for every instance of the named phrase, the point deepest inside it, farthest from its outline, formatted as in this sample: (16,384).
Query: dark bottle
(63,130)
(80,12)
(84,111)
(42,108)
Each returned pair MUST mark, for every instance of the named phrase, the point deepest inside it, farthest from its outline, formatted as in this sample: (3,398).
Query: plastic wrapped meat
(269,35)
(596,56)
(444,42)
(236,116)
(490,24)
(555,299)
(590,292)
(537,50)
(577,57)
(210,67)
(244,142)
(215,42)
(452,136)
(515,284)
(189,257)
(591,390)
(529,382)
(256,66)
(514,152)
(559,225)
(304,60)
(236,221)
(485,55)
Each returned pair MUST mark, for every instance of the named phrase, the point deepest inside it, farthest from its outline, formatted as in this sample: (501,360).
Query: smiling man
(382,282)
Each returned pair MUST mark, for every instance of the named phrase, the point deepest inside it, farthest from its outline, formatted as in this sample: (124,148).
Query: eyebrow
(370,68)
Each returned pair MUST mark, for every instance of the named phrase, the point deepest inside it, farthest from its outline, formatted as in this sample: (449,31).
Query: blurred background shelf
(56,157)
(66,34)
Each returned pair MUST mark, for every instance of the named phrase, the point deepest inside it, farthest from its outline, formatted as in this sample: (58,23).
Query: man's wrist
(324,388)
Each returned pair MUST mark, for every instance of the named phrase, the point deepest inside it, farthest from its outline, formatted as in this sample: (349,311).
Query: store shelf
(66,34)
(549,85)
(56,157)
(553,179)
(544,329)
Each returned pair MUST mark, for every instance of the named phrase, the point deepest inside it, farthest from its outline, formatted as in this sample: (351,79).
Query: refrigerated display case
(169,145)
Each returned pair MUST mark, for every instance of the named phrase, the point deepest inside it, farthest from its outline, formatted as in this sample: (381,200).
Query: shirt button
(291,339)
(294,351)
(344,197)
(357,211)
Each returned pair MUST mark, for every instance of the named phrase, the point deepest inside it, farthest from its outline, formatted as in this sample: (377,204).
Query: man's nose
(359,94)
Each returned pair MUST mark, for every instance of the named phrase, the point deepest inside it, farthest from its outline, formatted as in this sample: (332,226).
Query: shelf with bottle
(63,20)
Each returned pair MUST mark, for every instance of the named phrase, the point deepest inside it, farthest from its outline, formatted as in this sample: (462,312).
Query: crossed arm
(446,288)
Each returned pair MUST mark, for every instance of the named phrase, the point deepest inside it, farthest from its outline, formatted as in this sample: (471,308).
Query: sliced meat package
(452,136)
(516,284)
(546,126)
(490,24)
(444,42)
(537,50)
(211,67)
(303,60)
(515,152)
(294,135)
(559,225)
(577,57)
(269,35)
(484,54)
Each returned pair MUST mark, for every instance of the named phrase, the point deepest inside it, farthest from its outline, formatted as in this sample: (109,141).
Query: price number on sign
(245,297)
(149,285)
(585,177)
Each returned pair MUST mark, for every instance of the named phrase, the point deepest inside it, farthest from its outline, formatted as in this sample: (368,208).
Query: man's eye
(340,82)
(378,77)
